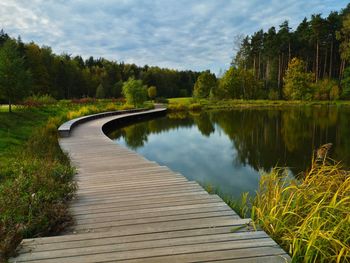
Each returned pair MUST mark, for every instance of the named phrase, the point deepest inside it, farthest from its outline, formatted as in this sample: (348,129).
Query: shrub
(84,100)
(177,107)
(273,95)
(111,107)
(334,93)
(195,107)
(39,101)
(127,107)
(323,88)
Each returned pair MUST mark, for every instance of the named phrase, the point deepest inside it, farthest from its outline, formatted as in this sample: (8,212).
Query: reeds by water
(309,218)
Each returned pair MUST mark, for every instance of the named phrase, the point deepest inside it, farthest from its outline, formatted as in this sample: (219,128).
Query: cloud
(179,34)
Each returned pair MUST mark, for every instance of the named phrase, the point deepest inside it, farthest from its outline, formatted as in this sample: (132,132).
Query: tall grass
(309,218)
(37,183)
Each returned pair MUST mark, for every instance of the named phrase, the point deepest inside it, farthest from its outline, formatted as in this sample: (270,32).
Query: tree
(297,82)
(117,89)
(134,91)
(14,78)
(345,83)
(152,92)
(100,92)
(344,36)
(205,82)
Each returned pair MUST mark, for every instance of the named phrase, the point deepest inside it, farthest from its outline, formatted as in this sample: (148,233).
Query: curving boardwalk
(129,209)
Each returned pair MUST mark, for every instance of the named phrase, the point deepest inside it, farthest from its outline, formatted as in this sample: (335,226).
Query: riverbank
(188,103)
(35,175)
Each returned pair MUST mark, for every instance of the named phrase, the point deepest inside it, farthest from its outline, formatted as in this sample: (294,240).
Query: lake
(230,149)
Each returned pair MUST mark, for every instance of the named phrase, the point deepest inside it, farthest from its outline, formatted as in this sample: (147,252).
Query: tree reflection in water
(259,138)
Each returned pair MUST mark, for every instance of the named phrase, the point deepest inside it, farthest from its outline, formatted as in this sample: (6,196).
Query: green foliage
(100,92)
(345,83)
(14,78)
(135,92)
(204,84)
(343,35)
(273,95)
(297,82)
(35,190)
(39,101)
(238,83)
(326,89)
(309,218)
(152,92)
(117,89)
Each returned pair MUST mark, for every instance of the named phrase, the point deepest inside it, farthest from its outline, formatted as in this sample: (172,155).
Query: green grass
(35,175)
(186,104)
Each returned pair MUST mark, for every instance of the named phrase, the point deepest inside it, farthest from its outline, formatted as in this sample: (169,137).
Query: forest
(65,77)
(310,62)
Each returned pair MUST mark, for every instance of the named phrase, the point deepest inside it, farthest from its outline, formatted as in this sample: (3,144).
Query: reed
(310,217)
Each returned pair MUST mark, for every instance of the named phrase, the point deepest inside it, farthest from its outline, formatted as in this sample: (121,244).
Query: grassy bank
(35,175)
(185,104)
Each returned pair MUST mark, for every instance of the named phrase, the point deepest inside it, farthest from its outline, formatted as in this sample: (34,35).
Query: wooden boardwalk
(129,209)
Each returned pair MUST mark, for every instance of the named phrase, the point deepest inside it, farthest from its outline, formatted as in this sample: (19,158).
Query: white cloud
(180,34)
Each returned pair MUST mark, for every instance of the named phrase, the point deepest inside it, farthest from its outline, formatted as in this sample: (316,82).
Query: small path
(129,209)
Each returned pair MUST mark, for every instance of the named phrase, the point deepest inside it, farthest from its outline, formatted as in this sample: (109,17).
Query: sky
(179,34)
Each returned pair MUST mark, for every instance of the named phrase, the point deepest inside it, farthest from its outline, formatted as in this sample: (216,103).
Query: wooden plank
(154,210)
(145,229)
(43,246)
(113,223)
(245,247)
(131,246)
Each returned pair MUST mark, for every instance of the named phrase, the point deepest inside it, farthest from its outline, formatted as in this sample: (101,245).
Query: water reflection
(229,148)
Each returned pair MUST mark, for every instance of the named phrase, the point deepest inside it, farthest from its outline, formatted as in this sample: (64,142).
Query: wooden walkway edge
(129,209)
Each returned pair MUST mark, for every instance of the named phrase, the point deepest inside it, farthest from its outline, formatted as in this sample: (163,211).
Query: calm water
(229,149)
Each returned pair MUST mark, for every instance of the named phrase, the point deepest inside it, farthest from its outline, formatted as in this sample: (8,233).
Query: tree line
(64,76)
(267,62)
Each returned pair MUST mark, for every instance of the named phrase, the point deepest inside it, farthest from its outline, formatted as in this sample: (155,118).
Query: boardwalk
(129,209)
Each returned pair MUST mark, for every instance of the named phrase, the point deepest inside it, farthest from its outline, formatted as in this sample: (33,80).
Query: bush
(84,100)
(111,107)
(334,93)
(127,107)
(273,95)
(195,107)
(177,107)
(323,88)
(38,101)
